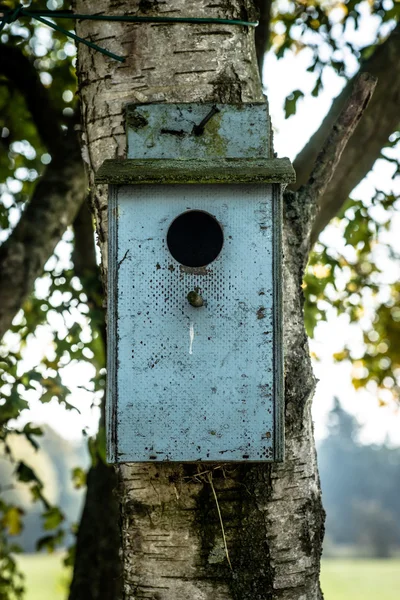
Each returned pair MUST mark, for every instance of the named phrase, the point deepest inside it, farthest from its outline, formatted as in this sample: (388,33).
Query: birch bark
(173,543)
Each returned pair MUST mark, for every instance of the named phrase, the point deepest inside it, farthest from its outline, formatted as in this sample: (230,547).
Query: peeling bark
(173,544)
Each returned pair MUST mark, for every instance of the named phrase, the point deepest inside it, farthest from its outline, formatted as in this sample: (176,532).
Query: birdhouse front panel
(194,336)
(195,360)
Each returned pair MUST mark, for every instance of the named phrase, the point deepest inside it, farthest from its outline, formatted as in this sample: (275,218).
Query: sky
(290,136)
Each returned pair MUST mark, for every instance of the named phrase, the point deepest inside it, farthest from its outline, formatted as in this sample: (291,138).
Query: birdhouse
(194,286)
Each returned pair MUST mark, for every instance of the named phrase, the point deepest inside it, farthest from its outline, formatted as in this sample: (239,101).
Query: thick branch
(87,269)
(299,213)
(19,69)
(97,566)
(53,207)
(84,254)
(262,31)
(329,156)
(380,120)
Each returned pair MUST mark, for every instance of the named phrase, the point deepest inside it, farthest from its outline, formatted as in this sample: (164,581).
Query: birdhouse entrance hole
(195,238)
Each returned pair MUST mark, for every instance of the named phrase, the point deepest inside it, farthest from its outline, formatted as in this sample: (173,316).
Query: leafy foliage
(347,280)
(320,25)
(11,580)
(351,281)
(24,156)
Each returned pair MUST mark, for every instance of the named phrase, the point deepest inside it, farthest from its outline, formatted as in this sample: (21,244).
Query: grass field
(361,579)
(45,576)
(349,579)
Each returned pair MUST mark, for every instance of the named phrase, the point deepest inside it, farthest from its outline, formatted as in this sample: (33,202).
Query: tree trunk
(97,565)
(189,531)
(97,573)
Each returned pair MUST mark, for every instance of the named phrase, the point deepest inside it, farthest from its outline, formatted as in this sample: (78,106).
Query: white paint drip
(191,337)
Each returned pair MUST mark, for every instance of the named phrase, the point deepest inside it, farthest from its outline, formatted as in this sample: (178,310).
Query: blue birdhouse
(195,359)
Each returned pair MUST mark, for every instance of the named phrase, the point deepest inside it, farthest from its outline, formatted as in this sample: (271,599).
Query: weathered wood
(185,384)
(217,170)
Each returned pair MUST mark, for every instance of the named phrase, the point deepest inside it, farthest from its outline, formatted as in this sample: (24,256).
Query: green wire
(79,39)
(9,16)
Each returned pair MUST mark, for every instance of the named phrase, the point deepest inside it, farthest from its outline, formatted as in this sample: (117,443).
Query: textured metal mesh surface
(194,383)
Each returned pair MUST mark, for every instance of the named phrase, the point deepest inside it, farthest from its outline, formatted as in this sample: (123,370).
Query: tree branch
(84,253)
(301,207)
(380,120)
(18,68)
(329,156)
(53,207)
(97,565)
(86,267)
(262,31)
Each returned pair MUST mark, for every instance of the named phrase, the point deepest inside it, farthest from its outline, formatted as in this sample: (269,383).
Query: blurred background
(52,357)
(360,484)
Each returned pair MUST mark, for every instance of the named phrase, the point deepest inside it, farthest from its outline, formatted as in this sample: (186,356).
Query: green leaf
(78,478)
(69,559)
(26,474)
(53,517)
(50,542)
(12,520)
(29,432)
(318,87)
(12,406)
(291,103)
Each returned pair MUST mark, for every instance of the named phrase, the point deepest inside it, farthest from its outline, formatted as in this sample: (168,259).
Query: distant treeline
(360,484)
(361,489)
